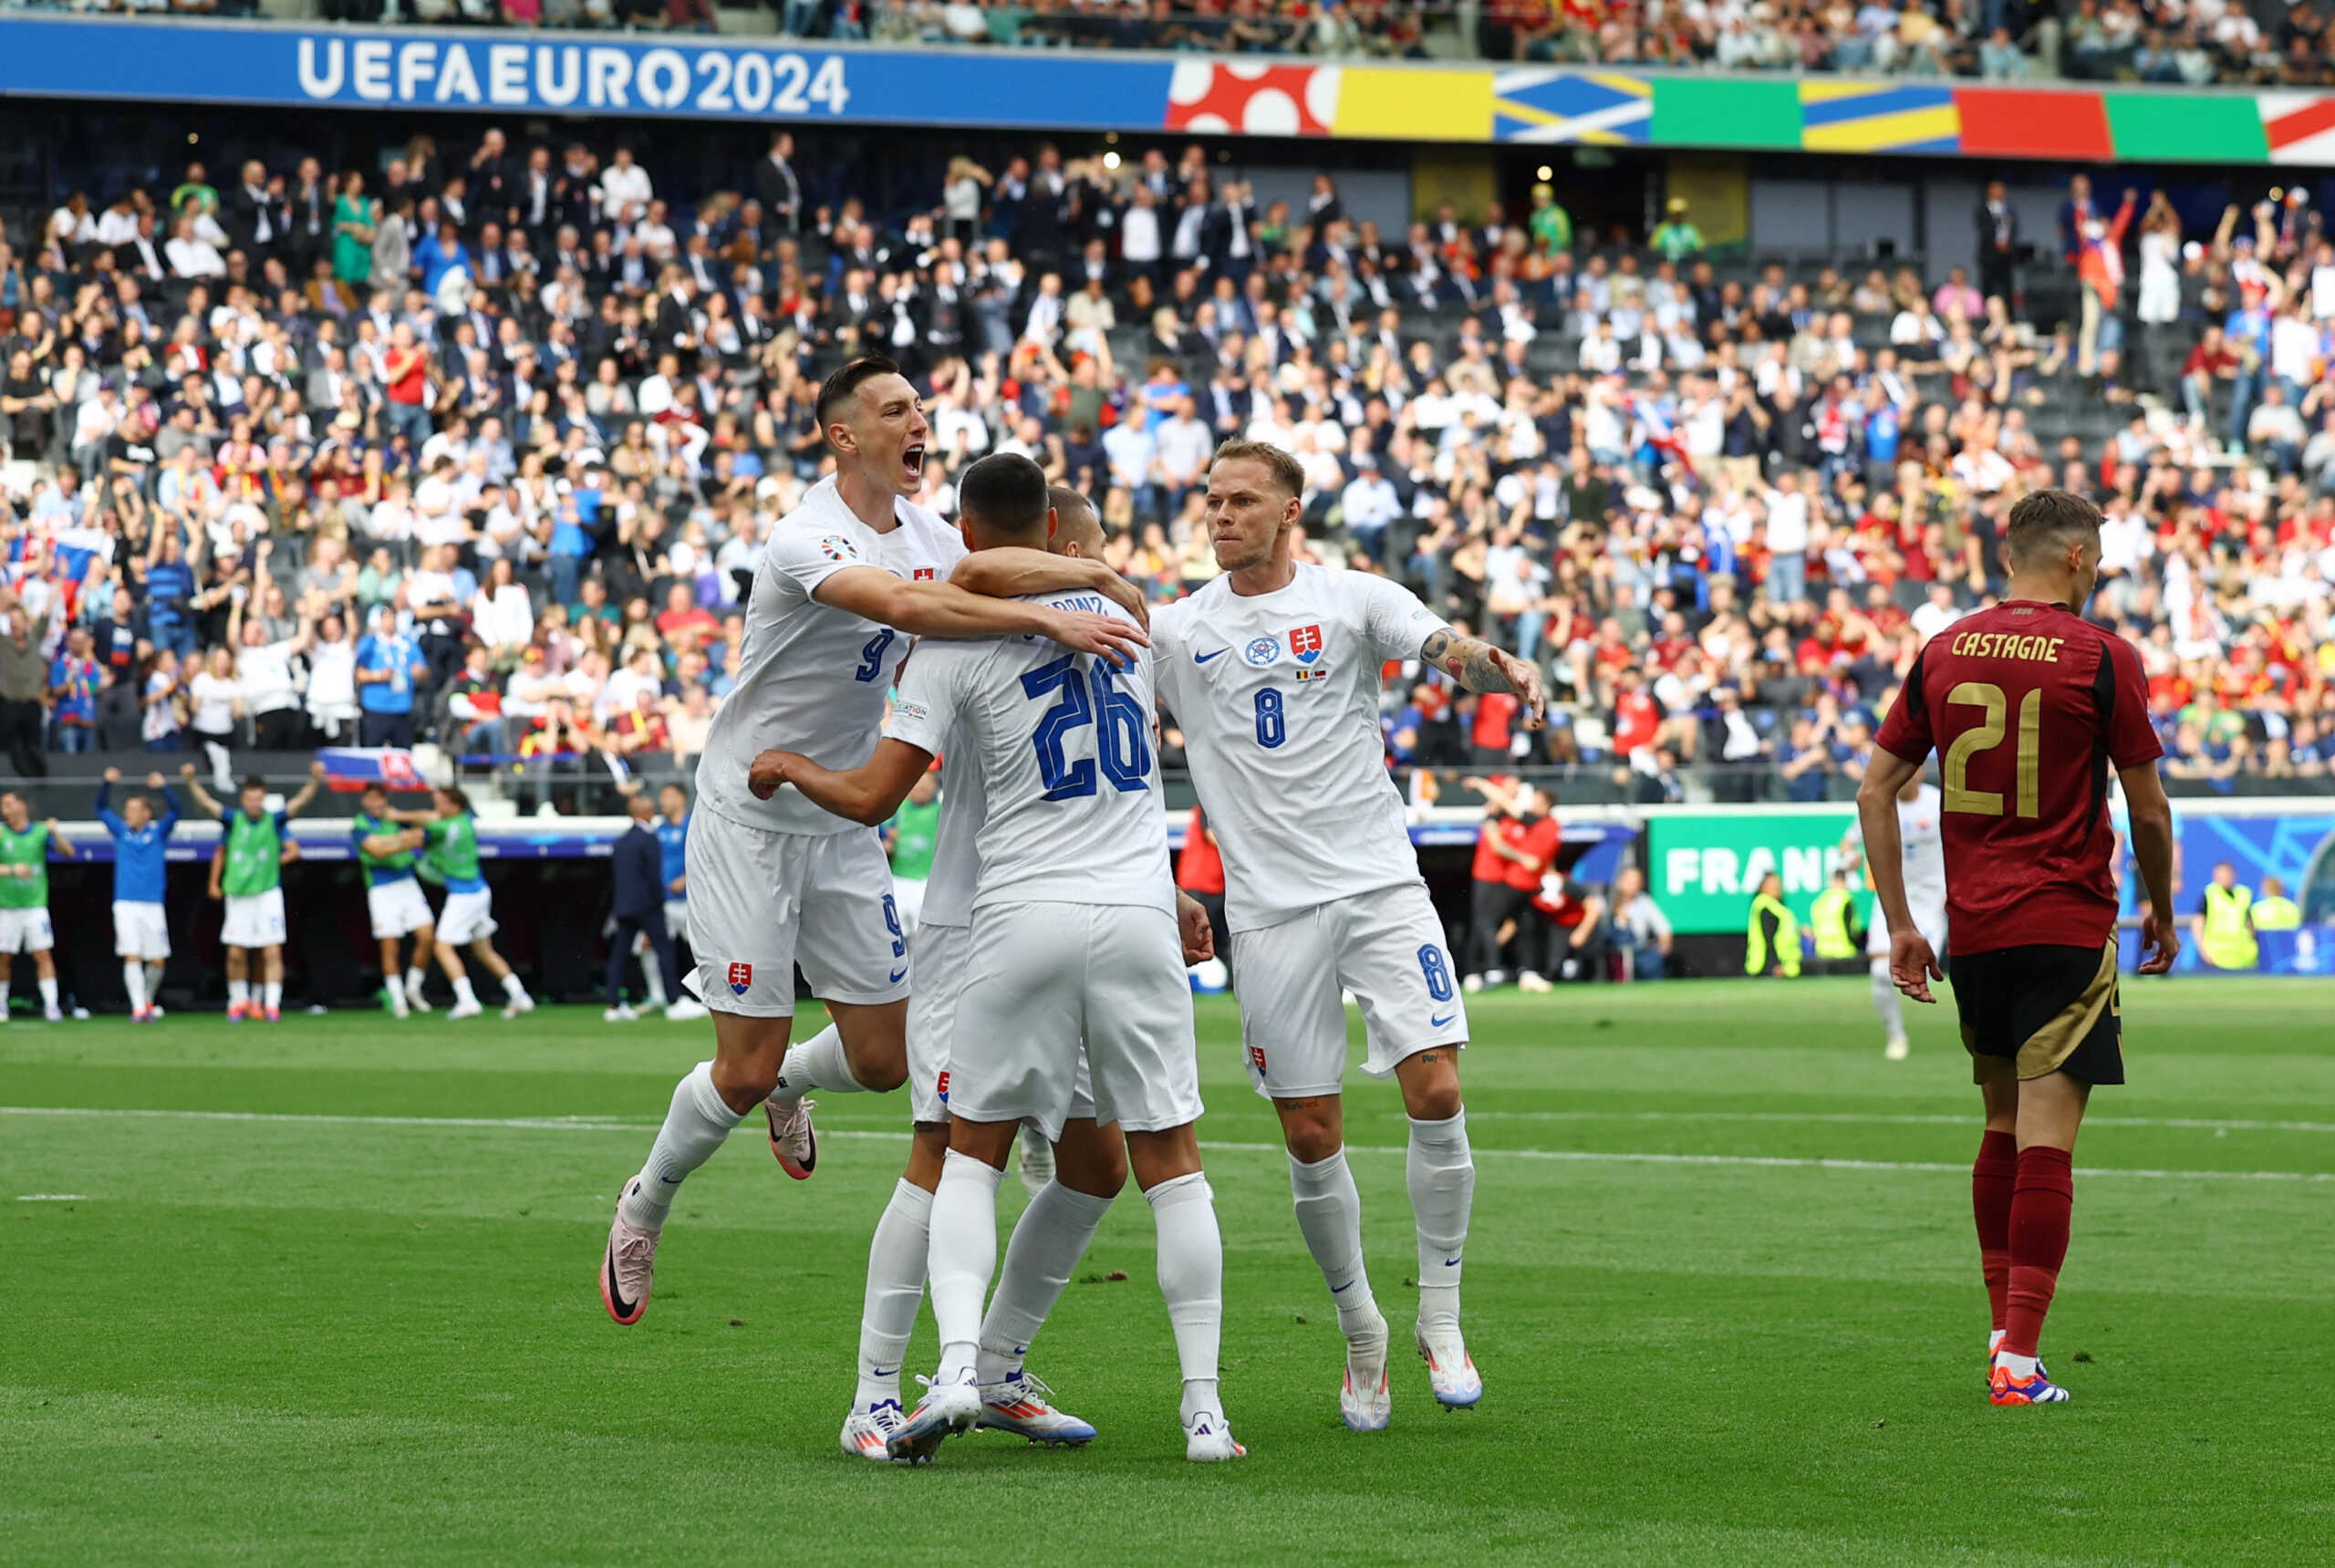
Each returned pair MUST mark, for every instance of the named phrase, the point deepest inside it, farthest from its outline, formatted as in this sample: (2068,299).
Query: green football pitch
(323,1293)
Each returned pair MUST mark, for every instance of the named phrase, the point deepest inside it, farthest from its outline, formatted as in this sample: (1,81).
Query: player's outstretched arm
(196,792)
(62,845)
(1912,964)
(869,792)
(1011,571)
(299,803)
(2152,819)
(944,609)
(1481,666)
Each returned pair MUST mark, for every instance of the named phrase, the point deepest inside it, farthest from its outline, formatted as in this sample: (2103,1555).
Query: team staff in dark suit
(639,866)
(1998,242)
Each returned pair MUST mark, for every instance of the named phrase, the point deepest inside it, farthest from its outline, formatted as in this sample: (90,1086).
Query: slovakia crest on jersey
(1262,652)
(742,978)
(1306,643)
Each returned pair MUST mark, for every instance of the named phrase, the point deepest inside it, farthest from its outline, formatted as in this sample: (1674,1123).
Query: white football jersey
(1277,695)
(1063,748)
(812,678)
(956,873)
(1921,833)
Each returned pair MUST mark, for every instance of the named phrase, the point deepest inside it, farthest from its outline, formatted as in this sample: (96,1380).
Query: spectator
(1641,931)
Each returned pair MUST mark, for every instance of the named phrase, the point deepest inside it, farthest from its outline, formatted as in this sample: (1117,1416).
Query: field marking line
(1587,1157)
(1887,1118)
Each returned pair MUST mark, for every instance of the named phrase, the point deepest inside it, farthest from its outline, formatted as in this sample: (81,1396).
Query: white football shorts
(253,920)
(25,931)
(1386,946)
(1040,978)
(761,902)
(397,907)
(937,958)
(141,930)
(467,918)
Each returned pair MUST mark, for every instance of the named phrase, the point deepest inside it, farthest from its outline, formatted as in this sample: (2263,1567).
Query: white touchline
(1883,1118)
(52,1197)
(1582,1155)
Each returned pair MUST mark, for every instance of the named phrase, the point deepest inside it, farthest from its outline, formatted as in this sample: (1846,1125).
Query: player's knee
(1096,1167)
(1437,1100)
(746,1084)
(878,1073)
(1311,1135)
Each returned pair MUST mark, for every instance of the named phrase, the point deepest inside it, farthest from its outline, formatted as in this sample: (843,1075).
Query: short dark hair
(253,781)
(1286,475)
(1004,492)
(848,379)
(454,793)
(2048,518)
(1074,519)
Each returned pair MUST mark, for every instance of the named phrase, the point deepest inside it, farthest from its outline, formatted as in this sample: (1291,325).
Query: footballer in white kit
(775,881)
(1272,672)
(1074,939)
(1920,832)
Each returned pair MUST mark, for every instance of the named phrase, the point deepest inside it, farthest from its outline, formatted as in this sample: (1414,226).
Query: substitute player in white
(1272,672)
(1074,939)
(777,882)
(1919,830)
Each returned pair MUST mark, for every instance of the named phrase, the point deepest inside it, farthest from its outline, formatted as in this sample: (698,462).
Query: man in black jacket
(637,866)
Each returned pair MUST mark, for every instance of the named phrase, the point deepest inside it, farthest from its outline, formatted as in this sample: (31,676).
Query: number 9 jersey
(2029,706)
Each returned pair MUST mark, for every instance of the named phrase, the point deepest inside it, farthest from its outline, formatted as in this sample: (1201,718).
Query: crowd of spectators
(2177,42)
(480,447)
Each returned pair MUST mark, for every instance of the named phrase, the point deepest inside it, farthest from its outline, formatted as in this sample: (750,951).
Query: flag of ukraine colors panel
(1874,117)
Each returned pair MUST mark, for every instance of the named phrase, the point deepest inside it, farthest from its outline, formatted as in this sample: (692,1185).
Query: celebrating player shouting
(773,882)
(2029,705)
(1273,670)
(1074,939)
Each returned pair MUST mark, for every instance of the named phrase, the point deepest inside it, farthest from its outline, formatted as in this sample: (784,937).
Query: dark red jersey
(2027,705)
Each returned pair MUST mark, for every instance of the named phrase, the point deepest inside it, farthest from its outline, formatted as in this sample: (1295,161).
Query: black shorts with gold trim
(2049,1009)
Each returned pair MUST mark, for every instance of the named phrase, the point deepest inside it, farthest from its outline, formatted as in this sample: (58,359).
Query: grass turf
(333,1301)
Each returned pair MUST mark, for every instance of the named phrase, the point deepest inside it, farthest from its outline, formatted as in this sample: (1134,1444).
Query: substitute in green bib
(386,850)
(450,833)
(909,838)
(2223,924)
(2274,911)
(247,872)
(1771,942)
(24,846)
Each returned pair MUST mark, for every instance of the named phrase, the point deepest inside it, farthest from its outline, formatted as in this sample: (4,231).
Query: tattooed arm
(1481,666)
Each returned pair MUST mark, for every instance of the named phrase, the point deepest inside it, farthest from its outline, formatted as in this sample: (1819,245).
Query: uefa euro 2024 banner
(767,80)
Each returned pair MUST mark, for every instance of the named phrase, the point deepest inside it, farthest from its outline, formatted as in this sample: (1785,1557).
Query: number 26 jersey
(1277,695)
(2029,706)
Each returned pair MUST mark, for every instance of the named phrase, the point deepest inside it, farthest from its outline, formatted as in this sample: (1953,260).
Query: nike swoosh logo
(895,976)
(670,1181)
(1341,1290)
(885,1372)
(1450,1262)
(1439,1022)
(624,1308)
(1204,657)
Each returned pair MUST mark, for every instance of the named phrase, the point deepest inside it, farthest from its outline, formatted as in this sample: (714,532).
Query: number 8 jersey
(2029,706)
(1277,695)
(1062,743)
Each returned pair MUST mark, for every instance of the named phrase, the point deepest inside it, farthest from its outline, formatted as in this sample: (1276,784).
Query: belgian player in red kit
(2029,706)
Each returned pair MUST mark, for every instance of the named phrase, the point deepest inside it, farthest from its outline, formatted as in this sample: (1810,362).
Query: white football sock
(1442,1176)
(1328,1214)
(270,995)
(413,978)
(694,1128)
(2021,1366)
(512,987)
(652,974)
(1191,1276)
(48,993)
(1885,1001)
(1048,1241)
(817,1064)
(4,997)
(463,993)
(154,980)
(133,980)
(963,1256)
(237,990)
(896,1262)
